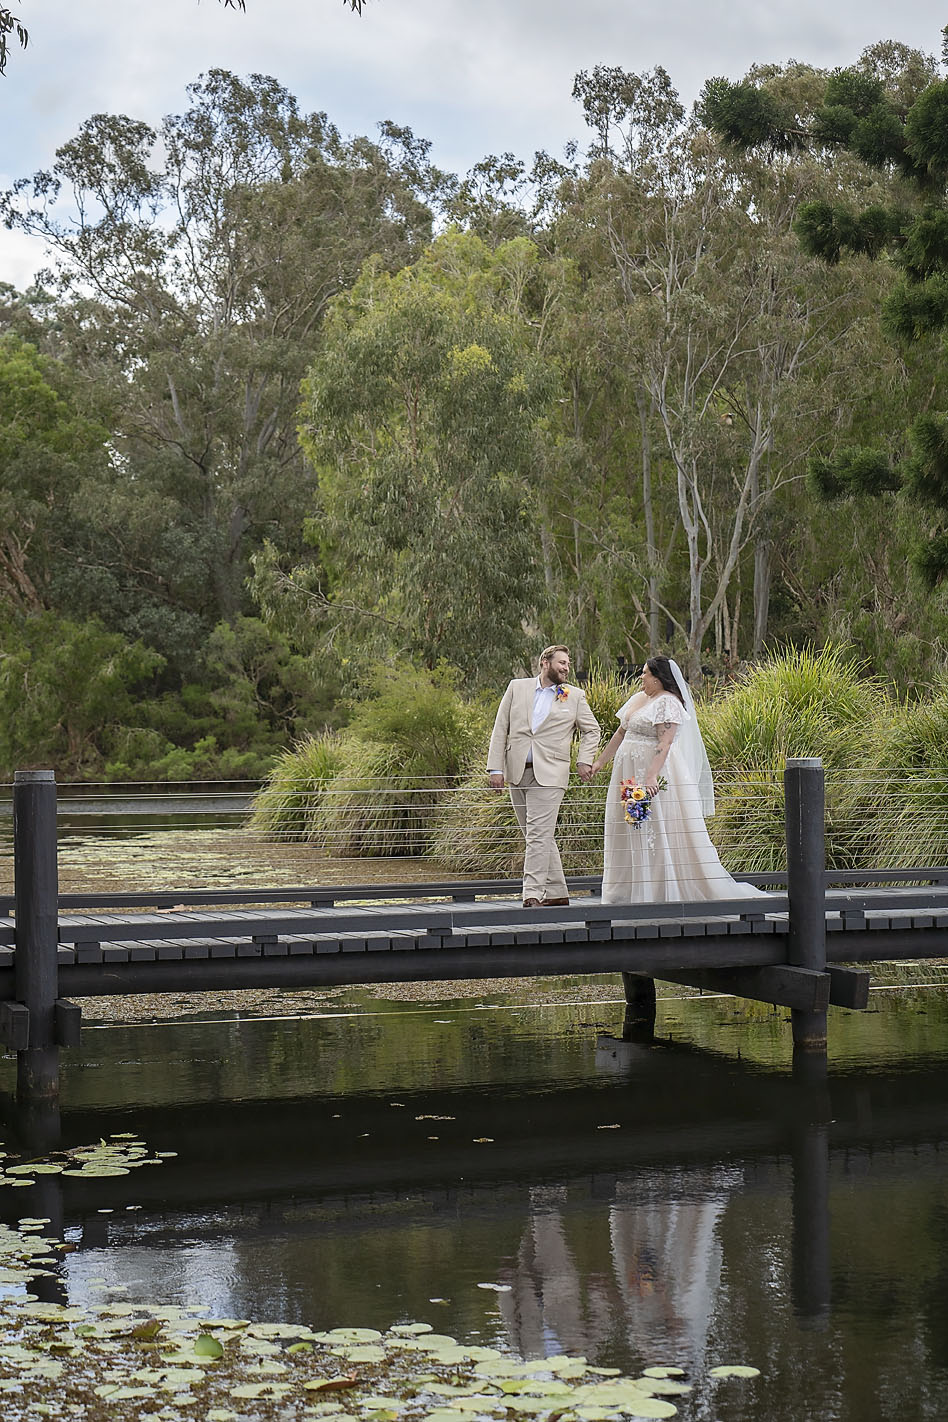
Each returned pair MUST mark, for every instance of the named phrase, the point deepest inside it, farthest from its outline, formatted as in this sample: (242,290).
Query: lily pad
(733,1370)
(207,1346)
(349,1335)
(361,1353)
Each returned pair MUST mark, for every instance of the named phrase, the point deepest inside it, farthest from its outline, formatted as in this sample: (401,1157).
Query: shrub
(801,702)
(375,788)
(904,798)
(286,806)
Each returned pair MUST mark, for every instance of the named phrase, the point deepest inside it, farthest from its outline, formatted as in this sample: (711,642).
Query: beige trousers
(537,808)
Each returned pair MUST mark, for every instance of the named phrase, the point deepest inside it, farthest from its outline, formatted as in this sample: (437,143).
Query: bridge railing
(459,827)
(782,957)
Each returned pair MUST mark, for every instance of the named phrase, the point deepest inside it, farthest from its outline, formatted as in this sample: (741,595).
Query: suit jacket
(513,738)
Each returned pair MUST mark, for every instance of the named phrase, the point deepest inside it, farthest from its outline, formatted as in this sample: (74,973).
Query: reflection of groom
(529,750)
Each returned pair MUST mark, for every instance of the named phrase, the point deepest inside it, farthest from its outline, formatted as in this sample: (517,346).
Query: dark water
(692,1200)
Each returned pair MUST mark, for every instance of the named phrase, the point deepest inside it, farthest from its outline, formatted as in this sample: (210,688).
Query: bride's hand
(651,785)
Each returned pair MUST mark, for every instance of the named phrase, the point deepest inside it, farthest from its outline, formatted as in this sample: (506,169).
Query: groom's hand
(496,780)
(584,771)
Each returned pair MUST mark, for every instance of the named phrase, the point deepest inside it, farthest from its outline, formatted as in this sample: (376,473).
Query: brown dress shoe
(554,903)
(532,903)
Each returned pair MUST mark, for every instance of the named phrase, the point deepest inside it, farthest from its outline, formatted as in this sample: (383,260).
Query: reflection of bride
(667,857)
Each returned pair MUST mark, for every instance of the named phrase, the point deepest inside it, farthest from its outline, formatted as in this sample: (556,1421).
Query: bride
(666,857)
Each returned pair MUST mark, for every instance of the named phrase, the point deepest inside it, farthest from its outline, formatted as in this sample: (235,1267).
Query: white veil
(691,746)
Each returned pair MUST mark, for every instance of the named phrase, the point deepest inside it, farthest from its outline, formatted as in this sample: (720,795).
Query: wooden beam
(785,985)
(68,1022)
(14,1026)
(849,987)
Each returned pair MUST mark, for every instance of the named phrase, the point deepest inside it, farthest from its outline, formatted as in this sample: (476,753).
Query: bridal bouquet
(636,801)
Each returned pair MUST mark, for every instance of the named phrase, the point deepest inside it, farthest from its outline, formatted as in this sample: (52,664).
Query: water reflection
(532,1179)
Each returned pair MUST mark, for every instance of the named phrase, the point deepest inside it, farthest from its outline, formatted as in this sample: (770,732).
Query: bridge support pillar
(639,1006)
(36,895)
(806,889)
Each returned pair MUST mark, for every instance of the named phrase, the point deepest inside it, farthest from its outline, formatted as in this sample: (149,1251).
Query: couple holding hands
(656,845)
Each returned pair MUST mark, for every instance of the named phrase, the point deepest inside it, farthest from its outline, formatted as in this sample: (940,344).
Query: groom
(529,750)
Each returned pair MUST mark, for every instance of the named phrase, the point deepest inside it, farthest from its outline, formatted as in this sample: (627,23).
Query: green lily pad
(349,1335)
(733,1370)
(361,1353)
(207,1346)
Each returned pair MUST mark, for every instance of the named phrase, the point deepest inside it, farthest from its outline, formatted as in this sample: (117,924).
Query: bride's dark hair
(660,667)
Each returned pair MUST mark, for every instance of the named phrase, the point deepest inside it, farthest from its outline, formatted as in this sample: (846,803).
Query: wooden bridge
(795,948)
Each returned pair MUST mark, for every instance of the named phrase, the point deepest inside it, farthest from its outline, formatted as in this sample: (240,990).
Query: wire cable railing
(892,819)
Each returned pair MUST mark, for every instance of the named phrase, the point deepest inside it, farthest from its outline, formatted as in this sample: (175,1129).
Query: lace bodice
(644,722)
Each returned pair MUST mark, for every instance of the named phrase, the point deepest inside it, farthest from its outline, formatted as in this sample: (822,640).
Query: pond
(515,1173)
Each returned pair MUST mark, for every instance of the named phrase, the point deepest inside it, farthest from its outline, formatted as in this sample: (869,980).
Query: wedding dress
(668,857)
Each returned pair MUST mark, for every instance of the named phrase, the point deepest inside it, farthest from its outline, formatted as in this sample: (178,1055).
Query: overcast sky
(474,76)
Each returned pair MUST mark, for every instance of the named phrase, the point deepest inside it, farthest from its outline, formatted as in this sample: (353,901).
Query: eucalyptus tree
(10,24)
(420,418)
(194,264)
(48,445)
(889,111)
(731,340)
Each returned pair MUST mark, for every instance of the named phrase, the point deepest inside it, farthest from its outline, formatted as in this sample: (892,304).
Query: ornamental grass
(802,702)
(287,805)
(902,792)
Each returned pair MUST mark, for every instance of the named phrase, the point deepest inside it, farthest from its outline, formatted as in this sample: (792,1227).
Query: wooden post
(36,892)
(639,1022)
(806,888)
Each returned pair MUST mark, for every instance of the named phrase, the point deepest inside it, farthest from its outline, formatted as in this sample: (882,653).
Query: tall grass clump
(287,805)
(904,799)
(479,833)
(802,702)
(403,749)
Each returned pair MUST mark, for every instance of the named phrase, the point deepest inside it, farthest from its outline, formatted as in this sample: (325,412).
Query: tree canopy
(293,413)
(890,111)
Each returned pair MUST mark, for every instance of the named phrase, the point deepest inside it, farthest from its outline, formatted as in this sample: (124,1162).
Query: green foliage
(804,702)
(851,470)
(906,793)
(64,689)
(377,787)
(926,130)
(883,114)
(10,24)
(254,694)
(420,418)
(744,115)
(851,89)
(924,252)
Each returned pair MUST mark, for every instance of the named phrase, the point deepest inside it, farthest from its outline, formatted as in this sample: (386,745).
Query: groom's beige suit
(536,765)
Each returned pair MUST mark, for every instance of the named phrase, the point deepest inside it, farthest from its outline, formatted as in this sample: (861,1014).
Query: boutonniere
(561,693)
